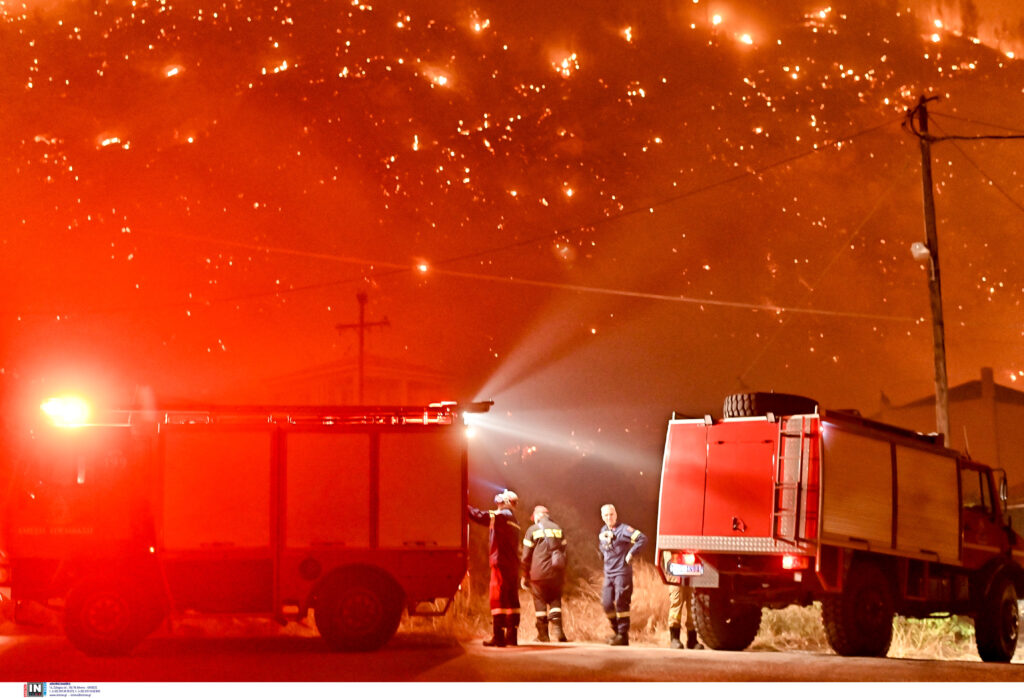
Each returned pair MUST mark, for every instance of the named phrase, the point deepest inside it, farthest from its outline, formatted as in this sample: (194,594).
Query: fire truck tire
(858,622)
(103,617)
(998,623)
(358,610)
(722,624)
(760,404)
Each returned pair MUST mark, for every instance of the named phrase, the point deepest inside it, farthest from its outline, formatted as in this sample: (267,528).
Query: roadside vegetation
(786,630)
(790,629)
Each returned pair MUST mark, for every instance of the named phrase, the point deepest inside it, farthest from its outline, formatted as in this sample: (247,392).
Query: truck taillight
(688,558)
(66,411)
(794,562)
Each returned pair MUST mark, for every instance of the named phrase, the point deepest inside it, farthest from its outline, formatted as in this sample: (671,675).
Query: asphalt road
(421,657)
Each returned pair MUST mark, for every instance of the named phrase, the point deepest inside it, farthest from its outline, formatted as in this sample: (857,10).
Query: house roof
(972,390)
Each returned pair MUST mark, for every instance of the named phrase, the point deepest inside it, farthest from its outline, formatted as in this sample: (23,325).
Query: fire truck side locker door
(740,478)
(681,504)
(327,491)
(928,504)
(214,523)
(857,489)
(421,489)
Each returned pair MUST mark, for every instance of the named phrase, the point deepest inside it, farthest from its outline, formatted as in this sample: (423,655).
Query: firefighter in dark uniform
(503,543)
(619,544)
(544,561)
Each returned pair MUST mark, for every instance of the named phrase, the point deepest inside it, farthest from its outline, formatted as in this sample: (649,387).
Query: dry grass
(793,628)
(790,629)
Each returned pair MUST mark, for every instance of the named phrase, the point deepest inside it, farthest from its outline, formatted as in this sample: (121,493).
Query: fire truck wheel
(998,623)
(722,624)
(358,610)
(103,617)
(760,404)
(858,622)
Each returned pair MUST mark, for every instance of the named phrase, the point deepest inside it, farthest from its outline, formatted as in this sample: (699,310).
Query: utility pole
(361,327)
(934,284)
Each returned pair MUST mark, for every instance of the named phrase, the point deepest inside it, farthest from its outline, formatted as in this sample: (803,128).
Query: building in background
(986,420)
(385,382)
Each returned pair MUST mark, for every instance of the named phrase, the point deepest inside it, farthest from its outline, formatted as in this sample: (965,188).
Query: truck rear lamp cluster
(685,564)
(794,562)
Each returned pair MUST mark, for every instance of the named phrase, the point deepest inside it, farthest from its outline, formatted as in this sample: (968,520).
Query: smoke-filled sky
(592,212)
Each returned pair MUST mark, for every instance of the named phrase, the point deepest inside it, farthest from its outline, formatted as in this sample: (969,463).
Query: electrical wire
(910,127)
(976,122)
(991,181)
(437,267)
(824,271)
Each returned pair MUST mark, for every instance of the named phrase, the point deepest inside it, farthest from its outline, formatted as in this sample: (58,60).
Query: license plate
(677,570)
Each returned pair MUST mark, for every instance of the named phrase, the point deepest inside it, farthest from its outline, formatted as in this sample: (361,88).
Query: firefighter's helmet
(507,497)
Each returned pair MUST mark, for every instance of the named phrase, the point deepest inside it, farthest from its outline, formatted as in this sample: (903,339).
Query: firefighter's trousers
(678,597)
(616,596)
(547,600)
(504,594)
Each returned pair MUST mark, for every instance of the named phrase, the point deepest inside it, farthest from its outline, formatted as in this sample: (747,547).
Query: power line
(991,181)
(908,125)
(824,271)
(395,268)
(977,123)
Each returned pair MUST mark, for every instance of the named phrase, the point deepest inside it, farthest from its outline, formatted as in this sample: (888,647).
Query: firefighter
(544,561)
(680,595)
(503,543)
(619,544)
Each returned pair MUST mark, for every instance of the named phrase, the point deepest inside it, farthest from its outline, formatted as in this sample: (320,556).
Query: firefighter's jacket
(502,536)
(617,543)
(544,551)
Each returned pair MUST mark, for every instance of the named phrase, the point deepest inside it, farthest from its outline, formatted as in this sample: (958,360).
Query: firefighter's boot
(619,641)
(498,636)
(692,643)
(556,630)
(674,643)
(615,628)
(512,631)
(542,630)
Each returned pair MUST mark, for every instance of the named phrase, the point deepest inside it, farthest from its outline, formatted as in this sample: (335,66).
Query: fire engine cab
(781,502)
(124,517)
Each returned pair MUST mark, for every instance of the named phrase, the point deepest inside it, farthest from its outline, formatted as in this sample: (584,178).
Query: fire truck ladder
(790,465)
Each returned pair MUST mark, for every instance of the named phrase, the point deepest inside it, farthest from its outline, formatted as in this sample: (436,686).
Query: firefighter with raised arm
(503,544)
(619,544)
(544,561)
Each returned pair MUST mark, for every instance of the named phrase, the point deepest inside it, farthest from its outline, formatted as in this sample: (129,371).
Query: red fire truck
(783,503)
(128,516)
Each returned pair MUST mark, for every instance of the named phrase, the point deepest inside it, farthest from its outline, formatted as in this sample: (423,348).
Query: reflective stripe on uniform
(621,614)
(635,535)
(527,542)
(540,614)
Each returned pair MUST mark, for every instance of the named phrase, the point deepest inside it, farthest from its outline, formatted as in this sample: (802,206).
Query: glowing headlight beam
(66,411)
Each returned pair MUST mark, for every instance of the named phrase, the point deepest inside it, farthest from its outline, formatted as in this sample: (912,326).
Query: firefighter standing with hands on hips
(544,572)
(503,544)
(619,544)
